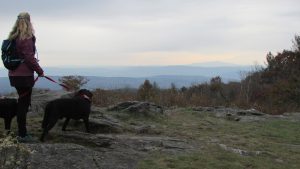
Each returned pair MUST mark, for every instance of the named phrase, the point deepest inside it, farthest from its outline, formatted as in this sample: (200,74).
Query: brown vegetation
(73,82)
(272,89)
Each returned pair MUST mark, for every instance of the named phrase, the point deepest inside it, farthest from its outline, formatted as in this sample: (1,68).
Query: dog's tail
(46,116)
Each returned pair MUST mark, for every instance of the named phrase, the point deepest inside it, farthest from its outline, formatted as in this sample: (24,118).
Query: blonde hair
(23,28)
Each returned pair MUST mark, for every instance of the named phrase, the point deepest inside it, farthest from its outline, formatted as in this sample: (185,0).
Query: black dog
(78,107)
(8,110)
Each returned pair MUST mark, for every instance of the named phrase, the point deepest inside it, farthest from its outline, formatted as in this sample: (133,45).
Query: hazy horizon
(197,69)
(158,32)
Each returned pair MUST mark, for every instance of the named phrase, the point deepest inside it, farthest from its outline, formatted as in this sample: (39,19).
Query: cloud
(114,32)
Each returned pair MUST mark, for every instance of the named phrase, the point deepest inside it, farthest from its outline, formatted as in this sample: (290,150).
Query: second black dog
(8,110)
(78,107)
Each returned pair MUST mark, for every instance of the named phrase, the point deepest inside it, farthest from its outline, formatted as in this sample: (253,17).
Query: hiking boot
(27,139)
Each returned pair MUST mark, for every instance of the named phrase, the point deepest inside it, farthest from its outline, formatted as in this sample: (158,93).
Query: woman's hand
(41,75)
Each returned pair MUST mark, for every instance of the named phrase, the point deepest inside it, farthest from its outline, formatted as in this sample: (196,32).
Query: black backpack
(9,58)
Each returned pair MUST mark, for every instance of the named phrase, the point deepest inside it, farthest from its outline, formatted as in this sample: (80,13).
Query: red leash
(62,85)
(50,79)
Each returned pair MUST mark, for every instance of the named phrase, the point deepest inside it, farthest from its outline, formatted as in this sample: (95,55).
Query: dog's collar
(86,97)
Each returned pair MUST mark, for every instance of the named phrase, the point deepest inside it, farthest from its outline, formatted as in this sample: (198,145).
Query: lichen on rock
(13,154)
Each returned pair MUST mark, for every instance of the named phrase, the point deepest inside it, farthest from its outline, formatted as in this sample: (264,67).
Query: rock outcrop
(234,114)
(138,108)
(90,151)
(124,135)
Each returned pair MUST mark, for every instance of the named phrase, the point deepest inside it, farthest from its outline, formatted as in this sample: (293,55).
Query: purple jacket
(26,50)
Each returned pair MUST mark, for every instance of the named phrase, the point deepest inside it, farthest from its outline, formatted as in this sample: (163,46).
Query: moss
(13,154)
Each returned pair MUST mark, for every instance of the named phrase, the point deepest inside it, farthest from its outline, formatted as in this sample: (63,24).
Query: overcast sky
(156,32)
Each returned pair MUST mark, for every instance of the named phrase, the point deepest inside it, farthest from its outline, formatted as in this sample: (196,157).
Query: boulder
(234,114)
(250,112)
(102,125)
(138,108)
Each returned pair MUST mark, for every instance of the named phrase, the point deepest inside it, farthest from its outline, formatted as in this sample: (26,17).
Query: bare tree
(73,82)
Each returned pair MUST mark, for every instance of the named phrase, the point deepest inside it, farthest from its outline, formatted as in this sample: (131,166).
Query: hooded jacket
(26,50)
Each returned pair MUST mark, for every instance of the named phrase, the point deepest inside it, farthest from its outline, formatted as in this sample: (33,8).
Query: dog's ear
(84,92)
(79,92)
(87,92)
(90,94)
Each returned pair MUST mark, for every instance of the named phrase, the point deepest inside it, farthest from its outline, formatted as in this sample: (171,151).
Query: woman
(22,78)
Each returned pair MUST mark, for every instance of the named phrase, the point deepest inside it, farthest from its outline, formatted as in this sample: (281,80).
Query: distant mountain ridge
(133,76)
(216,64)
(230,72)
(114,82)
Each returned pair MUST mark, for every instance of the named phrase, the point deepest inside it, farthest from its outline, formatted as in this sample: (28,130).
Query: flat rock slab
(73,156)
(108,151)
(129,143)
(62,156)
